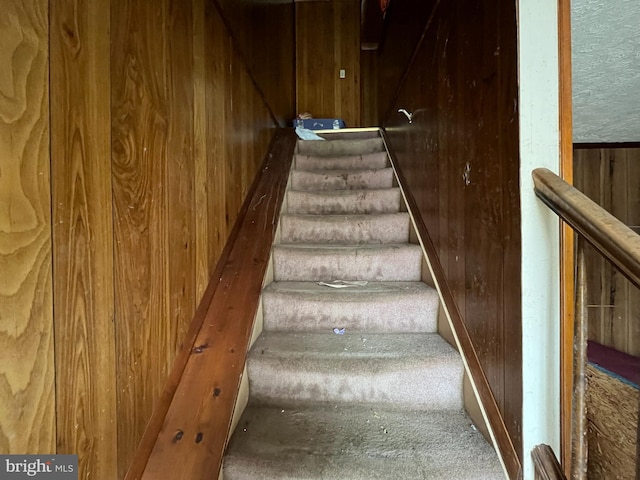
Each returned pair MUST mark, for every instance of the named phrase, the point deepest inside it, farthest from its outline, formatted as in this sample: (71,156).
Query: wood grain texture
(203,263)
(567,242)
(214,151)
(612,411)
(152,194)
(611,178)
(27,376)
(459,156)
(327,40)
(83,236)
(197,423)
(546,465)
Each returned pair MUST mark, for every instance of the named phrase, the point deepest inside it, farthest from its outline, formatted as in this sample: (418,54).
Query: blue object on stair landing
(319,123)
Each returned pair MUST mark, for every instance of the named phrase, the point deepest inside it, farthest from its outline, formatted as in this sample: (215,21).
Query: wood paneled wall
(256,26)
(460,156)
(118,190)
(27,374)
(611,178)
(327,40)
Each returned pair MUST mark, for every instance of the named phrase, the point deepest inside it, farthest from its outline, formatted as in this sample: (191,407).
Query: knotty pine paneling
(611,178)
(460,156)
(327,40)
(27,375)
(83,236)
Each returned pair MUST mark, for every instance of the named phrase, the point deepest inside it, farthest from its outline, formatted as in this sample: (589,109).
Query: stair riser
(360,202)
(389,264)
(344,180)
(340,147)
(385,314)
(371,160)
(371,229)
(426,386)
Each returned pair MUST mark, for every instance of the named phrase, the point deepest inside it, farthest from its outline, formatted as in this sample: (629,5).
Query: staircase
(349,378)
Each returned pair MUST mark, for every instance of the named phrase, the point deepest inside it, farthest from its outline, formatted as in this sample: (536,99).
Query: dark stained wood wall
(327,40)
(610,176)
(254,25)
(121,176)
(460,156)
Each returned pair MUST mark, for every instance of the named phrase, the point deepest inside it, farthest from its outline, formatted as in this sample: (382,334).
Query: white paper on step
(344,283)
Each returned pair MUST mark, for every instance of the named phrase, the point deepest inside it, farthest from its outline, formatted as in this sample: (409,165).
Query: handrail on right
(616,241)
(621,246)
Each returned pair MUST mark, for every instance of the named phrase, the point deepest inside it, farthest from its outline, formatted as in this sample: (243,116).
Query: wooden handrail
(613,239)
(617,243)
(545,464)
(189,428)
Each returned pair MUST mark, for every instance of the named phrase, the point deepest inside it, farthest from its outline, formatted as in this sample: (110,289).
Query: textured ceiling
(606,70)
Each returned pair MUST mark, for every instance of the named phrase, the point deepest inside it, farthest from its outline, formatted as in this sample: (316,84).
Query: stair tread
(337,349)
(358,442)
(346,193)
(324,249)
(374,307)
(357,293)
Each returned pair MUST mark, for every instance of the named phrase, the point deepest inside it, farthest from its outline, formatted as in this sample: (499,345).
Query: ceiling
(606,70)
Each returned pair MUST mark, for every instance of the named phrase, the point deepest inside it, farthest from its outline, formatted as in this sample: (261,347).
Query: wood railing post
(579,418)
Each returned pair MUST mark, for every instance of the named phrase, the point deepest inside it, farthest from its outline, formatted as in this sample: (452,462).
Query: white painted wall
(606,70)
(539,147)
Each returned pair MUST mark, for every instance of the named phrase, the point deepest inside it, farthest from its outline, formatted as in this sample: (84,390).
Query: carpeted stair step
(346,229)
(412,371)
(338,442)
(344,162)
(340,147)
(309,263)
(376,307)
(334,202)
(342,179)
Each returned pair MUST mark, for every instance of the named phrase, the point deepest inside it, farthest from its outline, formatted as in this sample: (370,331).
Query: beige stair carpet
(350,379)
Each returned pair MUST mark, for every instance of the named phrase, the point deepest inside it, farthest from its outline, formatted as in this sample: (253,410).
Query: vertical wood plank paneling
(633,219)
(180,176)
(467,137)
(27,376)
(314,58)
(589,182)
(619,289)
(139,66)
(218,107)
(346,20)
(611,178)
(83,236)
(203,262)
(327,39)
(511,232)
(269,25)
